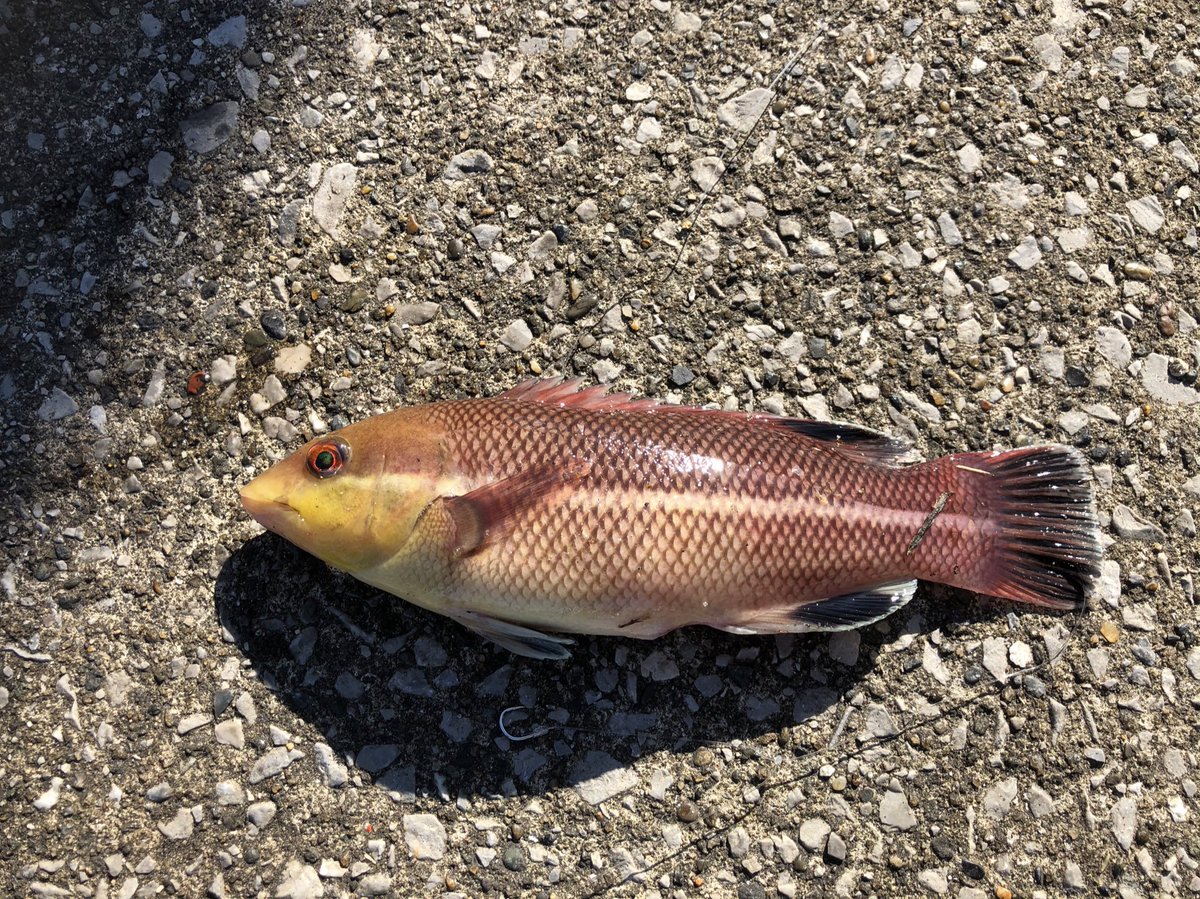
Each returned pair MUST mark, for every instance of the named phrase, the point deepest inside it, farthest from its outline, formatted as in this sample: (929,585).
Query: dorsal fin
(861,444)
(572,393)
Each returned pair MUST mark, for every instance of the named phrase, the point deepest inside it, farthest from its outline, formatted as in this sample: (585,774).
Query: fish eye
(328,457)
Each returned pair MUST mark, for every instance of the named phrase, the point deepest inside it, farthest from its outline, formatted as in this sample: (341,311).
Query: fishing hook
(533,735)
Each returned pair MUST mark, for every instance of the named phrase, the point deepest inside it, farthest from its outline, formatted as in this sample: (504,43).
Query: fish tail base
(1046,539)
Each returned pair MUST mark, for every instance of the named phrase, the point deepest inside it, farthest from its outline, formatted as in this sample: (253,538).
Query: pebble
(1114,347)
(299,881)
(49,798)
(844,647)
(513,857)
(599,777)
(707,171)
(681,376)
(1027,254)
(1020,654)
(332,770)
(229,733)
(813,833)
(485,235)
(180,827)
(999,799)
(377,884)
(1158,383)
(274,324)
(743,111)
(329,202)
(260,814)
(587,211)
(517,336)
(189,723)
(468,164)
(230,33)
(425,837)
(1147,213)
(208,129)
(160,792)
(293,360)
(158,169)
(1129,526)
(272,763)
(1124,821)
(374,757)
(951,236)
(223,370)
(416,313)
(638,91)
(57,406)
(894,811)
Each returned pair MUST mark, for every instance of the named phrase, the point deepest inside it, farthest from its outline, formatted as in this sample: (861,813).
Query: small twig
(928,523)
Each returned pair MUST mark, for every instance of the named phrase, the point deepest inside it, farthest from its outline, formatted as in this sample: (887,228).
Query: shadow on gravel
(424,695)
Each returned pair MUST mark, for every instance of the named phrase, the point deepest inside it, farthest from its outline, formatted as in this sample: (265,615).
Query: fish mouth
(273,514)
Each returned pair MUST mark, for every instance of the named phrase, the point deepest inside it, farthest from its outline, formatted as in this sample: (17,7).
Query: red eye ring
(327,458)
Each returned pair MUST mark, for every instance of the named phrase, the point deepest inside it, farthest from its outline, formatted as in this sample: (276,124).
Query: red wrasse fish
(555,508)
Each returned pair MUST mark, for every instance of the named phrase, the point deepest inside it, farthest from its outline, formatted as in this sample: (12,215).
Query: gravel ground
(225,227)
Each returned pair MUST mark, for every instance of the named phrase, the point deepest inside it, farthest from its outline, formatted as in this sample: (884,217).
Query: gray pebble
(1129,526)
(598,777)
(517,336)
(464,165)
(160,792)
(180,827)
(329,764)
(206,130)
(894,811)
(374,757)
(260,814)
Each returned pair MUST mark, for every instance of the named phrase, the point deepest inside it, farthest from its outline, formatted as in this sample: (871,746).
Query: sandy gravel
(226,227)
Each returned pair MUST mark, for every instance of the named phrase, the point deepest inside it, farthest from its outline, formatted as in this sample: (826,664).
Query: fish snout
(270,510)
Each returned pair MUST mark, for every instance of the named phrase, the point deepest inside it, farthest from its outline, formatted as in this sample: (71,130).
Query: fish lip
(270,513)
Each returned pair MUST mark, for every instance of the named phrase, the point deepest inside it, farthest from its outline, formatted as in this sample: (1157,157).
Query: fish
(553,509)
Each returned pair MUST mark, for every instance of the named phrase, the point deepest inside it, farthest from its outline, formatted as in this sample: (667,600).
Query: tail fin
(1041,507)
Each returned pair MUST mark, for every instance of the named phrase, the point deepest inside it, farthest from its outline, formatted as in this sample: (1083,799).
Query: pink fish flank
(550,508)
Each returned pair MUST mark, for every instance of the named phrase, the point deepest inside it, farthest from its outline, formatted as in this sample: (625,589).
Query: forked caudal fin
(1041,511)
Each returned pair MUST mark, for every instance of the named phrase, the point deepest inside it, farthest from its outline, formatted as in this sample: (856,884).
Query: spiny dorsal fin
(862,444)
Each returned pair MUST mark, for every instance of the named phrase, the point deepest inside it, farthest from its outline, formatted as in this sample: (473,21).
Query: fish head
(352,497)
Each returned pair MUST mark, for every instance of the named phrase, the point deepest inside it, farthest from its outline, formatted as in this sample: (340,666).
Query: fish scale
(553,508)
(712,559)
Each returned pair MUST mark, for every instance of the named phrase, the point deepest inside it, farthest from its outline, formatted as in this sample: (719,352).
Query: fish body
(550,508)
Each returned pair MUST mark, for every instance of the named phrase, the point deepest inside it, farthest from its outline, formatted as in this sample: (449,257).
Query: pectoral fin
(487,513)
(837,613)
(523,641)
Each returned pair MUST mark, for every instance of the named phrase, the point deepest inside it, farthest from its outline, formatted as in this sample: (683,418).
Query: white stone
(425,836)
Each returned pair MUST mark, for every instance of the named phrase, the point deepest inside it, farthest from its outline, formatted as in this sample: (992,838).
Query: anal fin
(516,638)
(837,613)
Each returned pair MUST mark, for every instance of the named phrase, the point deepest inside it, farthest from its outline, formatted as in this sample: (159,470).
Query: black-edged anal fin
(524,641)
(487,513)
(837,613)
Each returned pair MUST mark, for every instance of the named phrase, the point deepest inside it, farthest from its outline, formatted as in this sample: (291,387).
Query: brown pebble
(688,811)
(703,757)
(1109,632)
(871,56)
(411,226)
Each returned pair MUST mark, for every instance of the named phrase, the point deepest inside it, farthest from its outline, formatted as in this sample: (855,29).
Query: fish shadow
(412,702)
